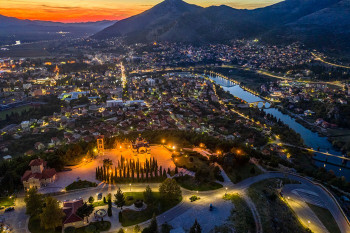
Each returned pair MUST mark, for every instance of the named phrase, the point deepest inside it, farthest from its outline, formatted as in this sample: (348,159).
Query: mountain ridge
(223,23)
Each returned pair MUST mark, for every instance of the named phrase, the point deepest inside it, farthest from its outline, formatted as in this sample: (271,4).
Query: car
(99,196)
(9,209)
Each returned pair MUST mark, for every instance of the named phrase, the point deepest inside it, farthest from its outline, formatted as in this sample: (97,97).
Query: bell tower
(100,144)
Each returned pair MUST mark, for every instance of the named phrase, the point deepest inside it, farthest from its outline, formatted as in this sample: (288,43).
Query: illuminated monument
(141,146)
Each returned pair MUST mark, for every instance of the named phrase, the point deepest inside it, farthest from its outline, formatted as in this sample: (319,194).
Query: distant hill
(151,23)
(328,27)
(12,29)
(287,21)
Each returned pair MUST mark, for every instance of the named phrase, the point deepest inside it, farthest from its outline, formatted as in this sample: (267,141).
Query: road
(185,212)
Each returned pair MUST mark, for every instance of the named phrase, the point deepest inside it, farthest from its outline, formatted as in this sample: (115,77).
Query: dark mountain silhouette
(289,20)
(151,23)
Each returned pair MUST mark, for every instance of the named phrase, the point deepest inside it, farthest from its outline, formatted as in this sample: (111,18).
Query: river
(311,139)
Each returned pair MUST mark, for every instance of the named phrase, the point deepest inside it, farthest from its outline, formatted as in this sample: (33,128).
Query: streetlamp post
(130,187)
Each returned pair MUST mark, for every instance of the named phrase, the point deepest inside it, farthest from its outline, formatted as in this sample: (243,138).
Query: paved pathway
(186,208)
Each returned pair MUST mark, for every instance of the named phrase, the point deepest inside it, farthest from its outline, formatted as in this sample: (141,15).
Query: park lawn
(34,226)
(99,203)
(198,161)
(275,214)
(189,182)
(7,201)
(241,216)
(100,227)
(326,218)
(80,184)
(238,174)
(135,196)
(131,217)
(19,110)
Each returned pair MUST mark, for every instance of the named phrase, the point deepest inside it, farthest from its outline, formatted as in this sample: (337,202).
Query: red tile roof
(70,208)
(37,162)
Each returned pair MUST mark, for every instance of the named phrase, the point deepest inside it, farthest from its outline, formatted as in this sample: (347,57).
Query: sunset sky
(94,10)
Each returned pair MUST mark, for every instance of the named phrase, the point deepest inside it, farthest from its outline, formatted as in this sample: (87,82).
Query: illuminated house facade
(38,175)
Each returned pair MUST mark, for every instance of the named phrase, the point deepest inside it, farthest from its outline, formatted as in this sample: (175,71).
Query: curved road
(207,197)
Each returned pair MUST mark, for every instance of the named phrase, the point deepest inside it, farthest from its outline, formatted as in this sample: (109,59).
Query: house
(70,209)
(39,146)
(38,175)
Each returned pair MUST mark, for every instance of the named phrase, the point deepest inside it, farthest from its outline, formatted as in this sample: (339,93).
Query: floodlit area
(87,170)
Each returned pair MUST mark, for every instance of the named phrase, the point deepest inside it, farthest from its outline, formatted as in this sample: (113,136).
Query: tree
(108,163)
(196,228)
(137,229)
(52,214)
(170,190)
(121,231)
(91,199)
(153,227)
(34,202)
(85,211)
(148,195)
(119,199)
(109,206)
(166,228)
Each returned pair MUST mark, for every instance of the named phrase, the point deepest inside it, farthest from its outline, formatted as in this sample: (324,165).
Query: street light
(130,187)
(226,191)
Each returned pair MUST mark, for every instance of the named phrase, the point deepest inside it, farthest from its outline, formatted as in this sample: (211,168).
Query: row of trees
(129,170)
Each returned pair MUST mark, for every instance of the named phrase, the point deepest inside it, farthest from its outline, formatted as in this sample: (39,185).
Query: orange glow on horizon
(69,11)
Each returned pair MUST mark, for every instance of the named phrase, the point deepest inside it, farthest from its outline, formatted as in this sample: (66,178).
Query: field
(276,216)
(245,171)
(241,216)
(131,217)
(19,110)
(7,201)
(192,162)
(326,218)
(189,182)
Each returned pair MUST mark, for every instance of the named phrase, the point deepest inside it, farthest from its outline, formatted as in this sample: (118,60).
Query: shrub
(120,216)
(90,229)
(138,203)
(69,230)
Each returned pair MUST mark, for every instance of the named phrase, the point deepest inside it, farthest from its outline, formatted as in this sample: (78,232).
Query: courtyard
(87,169)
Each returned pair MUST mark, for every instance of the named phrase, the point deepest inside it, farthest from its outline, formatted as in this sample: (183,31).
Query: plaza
(87,169)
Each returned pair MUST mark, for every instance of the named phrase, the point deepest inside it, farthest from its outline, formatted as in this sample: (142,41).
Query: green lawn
(34,226)
(243,172)
(189,182)
(326,218)
(135,196)
(19,110)
(275,215)
(159,206)
(99,203)
(241,216)
(80,185)
(98,226)
(7,201)
(191,161)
